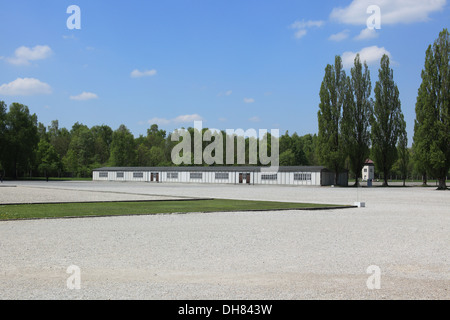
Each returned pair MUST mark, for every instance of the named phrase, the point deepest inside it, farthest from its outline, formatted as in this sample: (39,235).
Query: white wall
(210,177)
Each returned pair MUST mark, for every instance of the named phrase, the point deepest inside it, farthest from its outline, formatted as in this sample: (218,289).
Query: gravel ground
(243,255)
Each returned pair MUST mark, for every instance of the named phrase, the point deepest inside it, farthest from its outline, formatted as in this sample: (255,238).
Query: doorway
(154,176)
(244,178)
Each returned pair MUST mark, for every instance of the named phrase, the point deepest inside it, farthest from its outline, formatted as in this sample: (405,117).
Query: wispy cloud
(180,119)
(366,34)
(84,96)
(339,36)
(255,119)
(23,55)
(25,87)
(139,74)
(307,24)
(67,37)
(371,55)
(302,26)
(226,93)
(187,118)
(249,100)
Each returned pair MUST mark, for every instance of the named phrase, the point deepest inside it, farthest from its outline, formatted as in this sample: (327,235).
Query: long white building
(296,175)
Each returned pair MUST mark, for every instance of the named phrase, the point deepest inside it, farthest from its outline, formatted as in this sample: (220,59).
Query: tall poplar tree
(403,153)
(332,97)
(358,108)
(432,124)
(387,120)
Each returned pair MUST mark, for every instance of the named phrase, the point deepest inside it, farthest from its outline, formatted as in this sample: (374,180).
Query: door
(240,177)
(247,178)
(157,177)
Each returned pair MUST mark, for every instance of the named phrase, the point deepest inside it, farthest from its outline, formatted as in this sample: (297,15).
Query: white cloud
(227,93)
(25,87)
(84,96)
(302,26)
(307,24)
(158,121)
(339,36)
(23,55)
(188,118)
(249,100)
(392,11)
(371,55)
(366,34)
(300,33)
(180,119)
(139,74)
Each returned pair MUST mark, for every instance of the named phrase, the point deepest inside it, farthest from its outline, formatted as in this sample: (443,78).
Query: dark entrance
(154,177)
(244,178)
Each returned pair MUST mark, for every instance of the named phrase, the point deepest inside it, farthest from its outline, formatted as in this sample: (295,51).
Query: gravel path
(243,255)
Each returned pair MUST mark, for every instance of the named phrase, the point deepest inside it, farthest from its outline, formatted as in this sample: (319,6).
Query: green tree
(298,149)
(356,117)
(432,123)
(22,139)
(123,151)
(143,156)
(309,142)
(403,154)
(102,136)
(332,96)
(156,156)
(155,136)
(59,138)
(386,121)
(3,141)
(79,157)
(287,158)
(48,160)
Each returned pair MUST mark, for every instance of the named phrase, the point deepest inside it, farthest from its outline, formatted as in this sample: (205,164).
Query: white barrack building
(295,175)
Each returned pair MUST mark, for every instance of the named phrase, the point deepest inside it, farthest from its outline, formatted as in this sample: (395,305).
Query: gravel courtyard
(239,255)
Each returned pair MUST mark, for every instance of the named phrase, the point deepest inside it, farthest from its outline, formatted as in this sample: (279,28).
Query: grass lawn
(37,211)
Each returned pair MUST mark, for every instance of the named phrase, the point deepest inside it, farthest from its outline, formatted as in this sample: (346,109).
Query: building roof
(369,162)
(216,169)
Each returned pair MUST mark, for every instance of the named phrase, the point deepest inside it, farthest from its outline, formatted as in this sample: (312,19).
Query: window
(119,175)
(103,174)
(222,175)
(172,175)
(269,176)
(138,175)
(195,175)
(302,176)
(365,169)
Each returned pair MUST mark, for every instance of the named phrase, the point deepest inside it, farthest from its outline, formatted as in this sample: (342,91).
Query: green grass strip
(39,211)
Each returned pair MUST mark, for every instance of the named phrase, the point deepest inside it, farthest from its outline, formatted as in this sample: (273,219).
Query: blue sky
(230,63)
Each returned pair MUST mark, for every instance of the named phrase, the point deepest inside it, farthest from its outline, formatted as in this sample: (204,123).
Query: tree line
(28,148)
(353,126)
